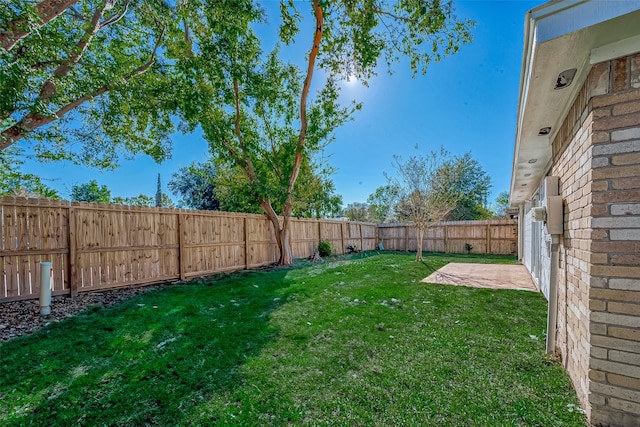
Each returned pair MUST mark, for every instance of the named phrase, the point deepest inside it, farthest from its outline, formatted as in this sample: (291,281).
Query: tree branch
(33,121)
(244,160)
(19,28)
(303,106)
(116,18)
(271,137)
(49,87)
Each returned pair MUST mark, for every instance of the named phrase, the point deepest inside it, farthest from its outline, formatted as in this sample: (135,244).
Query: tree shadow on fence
(154,359)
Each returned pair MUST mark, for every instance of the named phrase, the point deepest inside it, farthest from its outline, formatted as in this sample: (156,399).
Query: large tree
(501,205)
(357,211)
(225,187)
(125,66)
(465,175)
(268,117)
(84,80)
(424,195)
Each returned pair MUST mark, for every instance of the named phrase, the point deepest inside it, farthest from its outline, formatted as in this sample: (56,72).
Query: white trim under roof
(615,50)
(562,35)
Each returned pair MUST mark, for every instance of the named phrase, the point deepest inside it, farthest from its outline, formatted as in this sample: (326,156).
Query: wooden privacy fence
(95,247)
(499,237)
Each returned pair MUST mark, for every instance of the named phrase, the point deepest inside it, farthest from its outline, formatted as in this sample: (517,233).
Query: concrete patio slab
(495,276)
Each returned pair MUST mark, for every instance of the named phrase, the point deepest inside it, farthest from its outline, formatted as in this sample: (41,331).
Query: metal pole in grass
(46,274)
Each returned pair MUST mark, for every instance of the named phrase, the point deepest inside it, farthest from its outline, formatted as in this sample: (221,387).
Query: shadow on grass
(154,359)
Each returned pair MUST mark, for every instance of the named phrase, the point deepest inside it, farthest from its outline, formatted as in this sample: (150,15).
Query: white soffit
(562,35)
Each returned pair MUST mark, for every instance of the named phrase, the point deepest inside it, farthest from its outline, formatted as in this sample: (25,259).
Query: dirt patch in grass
(23,317)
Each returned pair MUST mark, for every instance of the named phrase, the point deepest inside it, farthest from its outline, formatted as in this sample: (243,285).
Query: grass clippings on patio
(351,342)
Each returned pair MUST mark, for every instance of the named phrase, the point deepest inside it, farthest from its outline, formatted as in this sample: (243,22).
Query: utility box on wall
(554,220)
(555,215)
(552,212)
(551,186)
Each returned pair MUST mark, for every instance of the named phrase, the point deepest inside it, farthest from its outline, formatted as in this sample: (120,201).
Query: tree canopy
(357,211)
(464,175)
(124,69)
(85,80)
(381,203)
(501,205)
(194,186)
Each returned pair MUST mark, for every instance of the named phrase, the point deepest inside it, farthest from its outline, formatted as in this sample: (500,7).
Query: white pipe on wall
(552,313)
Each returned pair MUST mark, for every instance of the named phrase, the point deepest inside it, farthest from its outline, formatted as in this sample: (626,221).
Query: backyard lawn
(350,342)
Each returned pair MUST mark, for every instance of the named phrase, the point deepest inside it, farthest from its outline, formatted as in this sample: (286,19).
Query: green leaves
(291,18)
(91,192)
(360,33)
(63,66)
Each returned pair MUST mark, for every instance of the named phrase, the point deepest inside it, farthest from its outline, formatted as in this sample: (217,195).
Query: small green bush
(324,248)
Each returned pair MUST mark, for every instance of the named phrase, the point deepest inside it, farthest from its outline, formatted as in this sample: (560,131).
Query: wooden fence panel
(492,236)
(392,237)
(32,231)
(369,236)
(304,237)
(459,236)
(118,246)
(109,246)
(434,239)
(352,235)
(331,231)
(263,248)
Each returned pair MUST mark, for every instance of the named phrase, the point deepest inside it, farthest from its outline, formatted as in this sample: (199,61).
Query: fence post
(361,240)
(488,251)
(342,236)
(446,242)
(181,249)
(406,238)
(319,231)
(73,267)
(246,243)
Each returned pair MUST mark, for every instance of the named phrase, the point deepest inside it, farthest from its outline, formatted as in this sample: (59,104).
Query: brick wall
(596,154)
(615,247)
(571,162)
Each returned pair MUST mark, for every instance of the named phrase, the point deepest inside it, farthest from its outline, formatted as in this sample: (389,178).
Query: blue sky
(467,102)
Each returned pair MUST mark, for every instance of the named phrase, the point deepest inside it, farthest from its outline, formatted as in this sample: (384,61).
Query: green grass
(352,342)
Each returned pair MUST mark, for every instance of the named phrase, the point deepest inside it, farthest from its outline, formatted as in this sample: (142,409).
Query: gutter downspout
(521,232)
(552,314)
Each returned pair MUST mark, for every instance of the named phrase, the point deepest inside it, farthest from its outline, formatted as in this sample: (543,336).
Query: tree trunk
(281,231)
(286,253)
(420,236)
